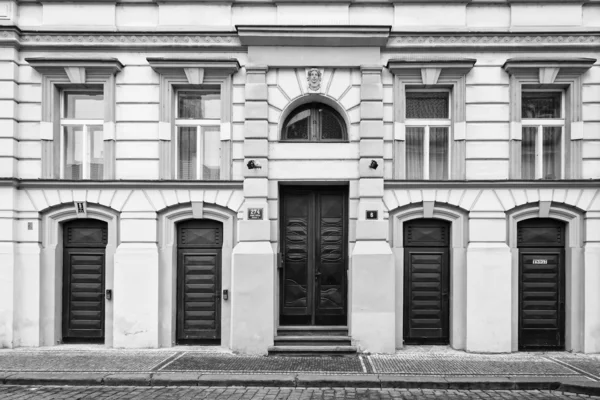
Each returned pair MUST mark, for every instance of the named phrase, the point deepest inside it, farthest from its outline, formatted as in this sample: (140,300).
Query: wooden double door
(426,282)
(199,244)
(84,248)
(541,284)
(314,242)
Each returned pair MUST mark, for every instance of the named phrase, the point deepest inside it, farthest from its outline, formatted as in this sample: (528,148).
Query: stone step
(312,331)
(311,350)
(322,340)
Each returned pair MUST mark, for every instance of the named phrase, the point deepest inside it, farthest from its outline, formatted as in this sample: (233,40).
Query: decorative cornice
(84,40)
(272,35)
(519,184)
(120,184)
(494,41)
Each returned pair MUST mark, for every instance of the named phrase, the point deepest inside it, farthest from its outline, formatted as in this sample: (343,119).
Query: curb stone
(53,378)
(282,380)
(175,379)
(576,385)
(589,388)
(128,379)
(313,380)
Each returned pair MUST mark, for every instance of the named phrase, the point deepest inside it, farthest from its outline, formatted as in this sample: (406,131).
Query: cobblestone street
(255,393)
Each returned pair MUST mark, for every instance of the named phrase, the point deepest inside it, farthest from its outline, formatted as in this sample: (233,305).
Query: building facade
(182,172)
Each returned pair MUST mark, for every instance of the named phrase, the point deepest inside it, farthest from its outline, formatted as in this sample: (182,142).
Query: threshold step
(312,331)
(325,340)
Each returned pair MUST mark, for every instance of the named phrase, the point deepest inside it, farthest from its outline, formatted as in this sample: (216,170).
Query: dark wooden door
(199,281)
(314,255)
(84,243)
(541,285)
(426,282)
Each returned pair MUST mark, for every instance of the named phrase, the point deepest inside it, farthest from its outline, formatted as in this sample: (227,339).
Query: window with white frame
(427,122)
(542,118)
(82,141)
(198,137)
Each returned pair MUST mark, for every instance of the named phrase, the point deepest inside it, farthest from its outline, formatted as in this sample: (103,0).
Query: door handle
(317,274)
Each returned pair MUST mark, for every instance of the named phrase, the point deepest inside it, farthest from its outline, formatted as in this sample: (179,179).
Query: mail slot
(540,261)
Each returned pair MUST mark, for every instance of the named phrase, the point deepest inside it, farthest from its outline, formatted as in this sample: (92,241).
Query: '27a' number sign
(255,213)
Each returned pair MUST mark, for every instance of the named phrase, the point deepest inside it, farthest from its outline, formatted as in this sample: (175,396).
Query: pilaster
(136,290)
(372,263)
(253,268)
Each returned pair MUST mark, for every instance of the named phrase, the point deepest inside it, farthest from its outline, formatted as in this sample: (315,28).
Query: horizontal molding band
(120,184)
(506,184)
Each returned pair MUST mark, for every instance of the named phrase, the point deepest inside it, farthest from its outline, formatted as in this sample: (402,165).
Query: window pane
(540,105)
(96,143)
(330,125)
(211,151)
(73,148)
(551,152)
(187,152)
(438,153)
(427,104)
(528,152)
(297,126)
(84,105)
(199,105)
(414,152)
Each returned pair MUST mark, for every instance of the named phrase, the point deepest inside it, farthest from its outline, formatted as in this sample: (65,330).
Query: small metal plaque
(371,214)
(540,261)
(255,213)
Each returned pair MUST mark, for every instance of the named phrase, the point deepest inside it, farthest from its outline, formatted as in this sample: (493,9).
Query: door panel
(83,305)
(297,258)
(84,293)
(199,288)
(426,287)
(541,298)
(313,243)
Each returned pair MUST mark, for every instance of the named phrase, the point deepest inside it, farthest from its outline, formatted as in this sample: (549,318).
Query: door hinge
(280,260)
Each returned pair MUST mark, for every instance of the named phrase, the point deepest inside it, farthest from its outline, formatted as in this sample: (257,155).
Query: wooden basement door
(199,244)
(314,241)
(84,246)
(541,284)
(426,281)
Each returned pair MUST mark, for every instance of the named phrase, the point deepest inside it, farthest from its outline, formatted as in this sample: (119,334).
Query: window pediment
(197,71)
(548,69)
(75,68)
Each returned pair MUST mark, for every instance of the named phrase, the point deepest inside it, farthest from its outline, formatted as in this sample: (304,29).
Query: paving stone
(128,380)
(276,380)
(81,361)
(588,363)
(442,364)
(54,378)
(175,379)
(364,381)
(258,364)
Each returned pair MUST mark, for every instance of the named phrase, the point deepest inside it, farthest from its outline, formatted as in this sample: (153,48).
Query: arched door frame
(167,252)
(458,276)
(574,284)
(51,268)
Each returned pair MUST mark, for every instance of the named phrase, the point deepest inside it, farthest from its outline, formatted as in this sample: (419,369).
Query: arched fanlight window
(314,122)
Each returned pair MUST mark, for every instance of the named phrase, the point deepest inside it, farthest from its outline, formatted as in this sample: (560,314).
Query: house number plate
(255,213)
(371,214)
(540,261)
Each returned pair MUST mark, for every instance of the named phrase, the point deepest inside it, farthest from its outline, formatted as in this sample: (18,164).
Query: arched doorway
(84,276)
(426,282)
(541,243)
(199,244)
